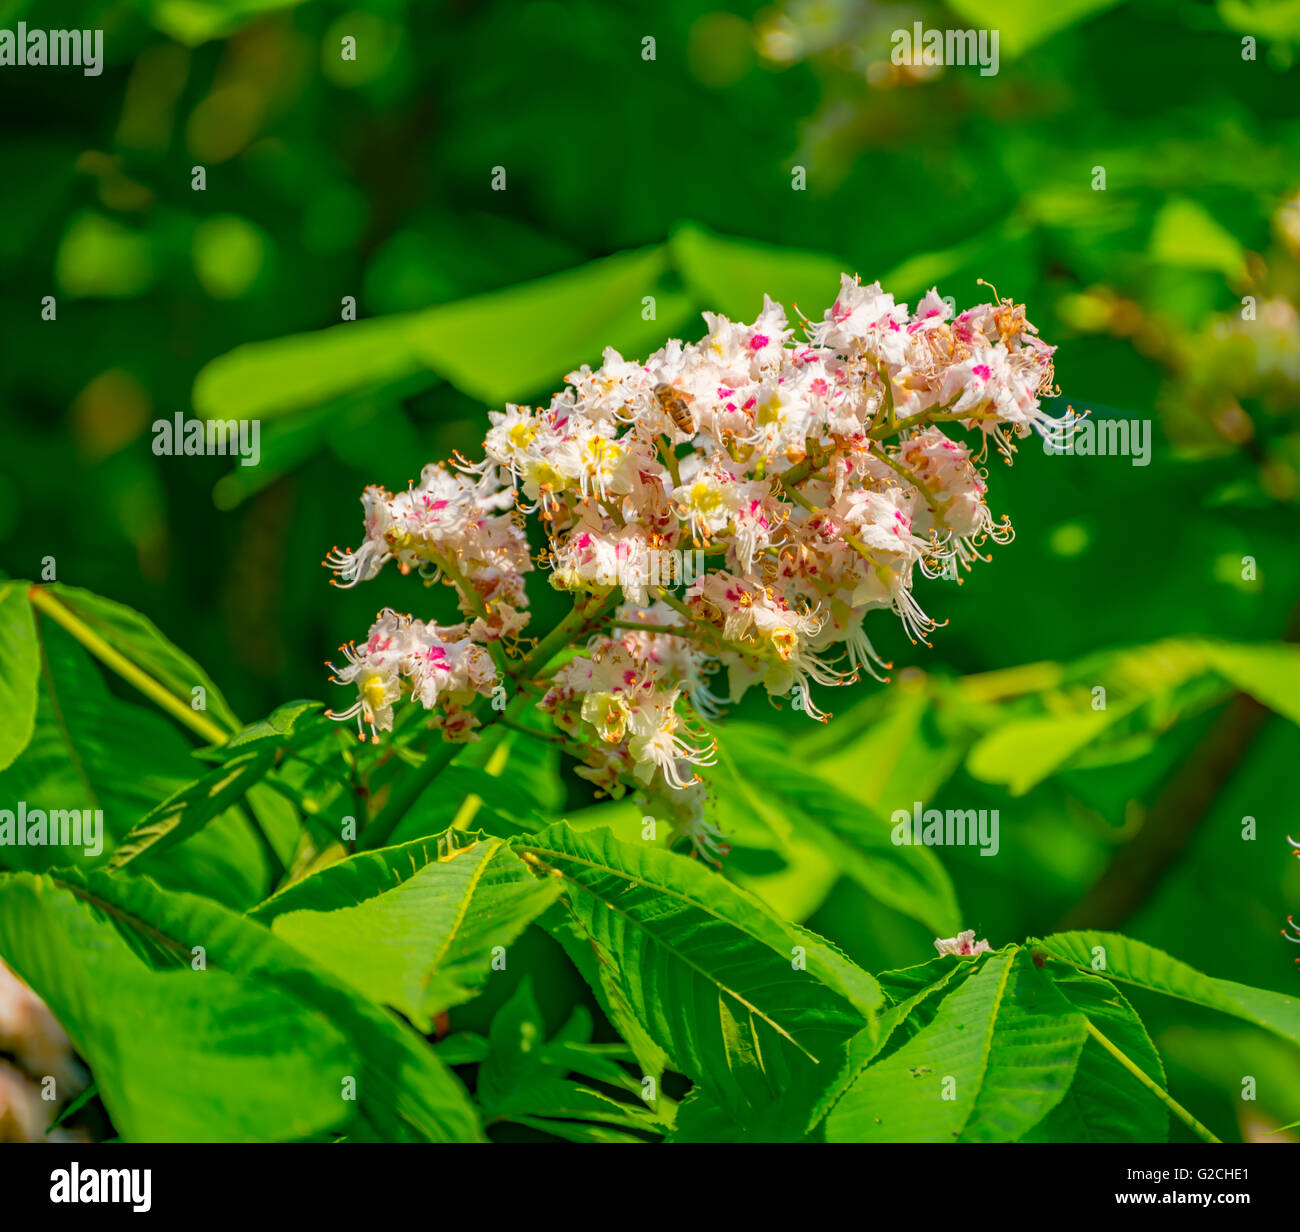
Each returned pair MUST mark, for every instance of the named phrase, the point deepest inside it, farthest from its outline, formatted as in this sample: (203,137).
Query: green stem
(917,483)
(474,601)
(1151,1085)
(670,461)
(579,617)
(43,601)
(920,419)
(891,417)
(852,540)
(646,627)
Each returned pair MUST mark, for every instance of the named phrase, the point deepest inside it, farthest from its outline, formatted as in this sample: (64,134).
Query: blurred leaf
(553,325)
(260,380)
(731,276)
(1024,24)
(1186,236)
(1269,673)
(1023,752)
(196,21)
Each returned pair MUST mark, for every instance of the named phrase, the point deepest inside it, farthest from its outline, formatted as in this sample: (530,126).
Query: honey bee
(677,406)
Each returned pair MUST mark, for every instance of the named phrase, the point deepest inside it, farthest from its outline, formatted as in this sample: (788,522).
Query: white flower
(812,480)
(962,944)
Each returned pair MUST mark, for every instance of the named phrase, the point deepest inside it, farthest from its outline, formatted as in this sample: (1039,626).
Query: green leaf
(1105,1102)
(797,1115)
(1023,24)
(742,1003)
(180,1055)
(756,772)
(290,725)
(20,665)
(404,1093)
(139,639)
(1147,688)
(522,1079)
(91,750)
(731,276)
(898,734)
(565,929)
(185,813)
(414,926)
(464,796)
(1186,236)
(1270,673)
(261,380)
(554,324)
(196,21)
(514,1040)
(999,1053)
(1132,962)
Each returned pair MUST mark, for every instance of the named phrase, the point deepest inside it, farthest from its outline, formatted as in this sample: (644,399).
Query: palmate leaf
(179,1055)
(413,926)
(404,1093)
(998,1055)
(1132,962)
(739,1001)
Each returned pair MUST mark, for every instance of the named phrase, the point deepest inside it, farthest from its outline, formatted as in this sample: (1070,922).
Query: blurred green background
(373,178)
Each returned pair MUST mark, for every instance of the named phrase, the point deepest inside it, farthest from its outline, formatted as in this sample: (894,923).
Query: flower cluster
(814,476)
(440,666)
